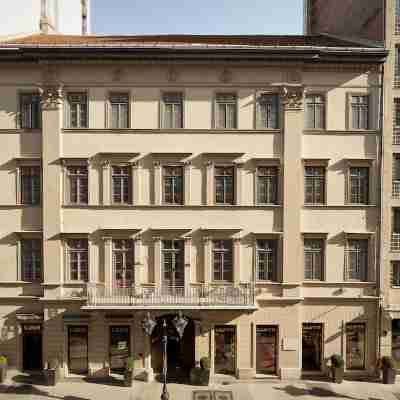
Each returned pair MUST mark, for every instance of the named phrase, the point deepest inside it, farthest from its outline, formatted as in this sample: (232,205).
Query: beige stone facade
(307,318)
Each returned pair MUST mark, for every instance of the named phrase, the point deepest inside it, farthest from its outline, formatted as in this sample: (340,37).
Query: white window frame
(125,250)
(68,270)
(110,103)
(234,183)
(130,188)
(31,111)
(222,252)
(67,184)
(68,109)
(272,250)
(323,177)
(163,104)
(366,273)
(216,110)
(351,122)
(257,117)
(182,168)
(22,272)
(395,274)
(321,250)
(316,107)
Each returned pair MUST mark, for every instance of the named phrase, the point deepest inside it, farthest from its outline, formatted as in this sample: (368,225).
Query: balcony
(198,296)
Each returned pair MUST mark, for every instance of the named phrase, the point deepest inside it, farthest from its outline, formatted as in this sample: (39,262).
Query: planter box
(128,378)
(388,376)
(3,373)
(337,375)
(199,376)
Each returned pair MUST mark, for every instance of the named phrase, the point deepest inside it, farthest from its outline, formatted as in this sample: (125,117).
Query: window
(172,111)
(121,184)
(396,121)
(31,260)
(313,259)
(30,111)
(30,185)
(123,263)
(396,176)
(395,245)
(226,111)
(359,185)
(267,185)
(119,110)
(355,346)
(359,111)
(266,260)
(397,18)
(224,185)
(357,260)
(173,185)
(395,274)
(397,67)
(78,267)
(315,111)
(77,110)
(314,185)
(173,263)
(222,260)
(77,181)
(267,111)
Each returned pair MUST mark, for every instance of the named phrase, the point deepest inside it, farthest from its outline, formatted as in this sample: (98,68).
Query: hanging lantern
(148,325)
(180,323)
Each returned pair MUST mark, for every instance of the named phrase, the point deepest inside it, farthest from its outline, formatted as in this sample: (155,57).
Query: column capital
(51,95)
(292,97)
(207,239)
(157,238)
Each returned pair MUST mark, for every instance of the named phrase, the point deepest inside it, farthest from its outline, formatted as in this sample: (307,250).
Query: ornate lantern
(180,323)
(148,325)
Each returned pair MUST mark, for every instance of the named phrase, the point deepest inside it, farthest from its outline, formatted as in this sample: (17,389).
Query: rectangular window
(359,185)
(77,181)
(266,259)
(315,111)
(173,185)
(267,111)
(123,263)
(172,110)
(77,110)
(397,18)
(395,245)
(355,346)
(78,266)
(396,121)
(314,185)
(359,111)
(226,110)
(30,185)
(357,260)
(121,184)
(396,176)
(395,274)
(314,259)
(31,260)
(224,185)
(222,260)
(30,111)
(173,263)
(267,185)
(119,110)
(397,67)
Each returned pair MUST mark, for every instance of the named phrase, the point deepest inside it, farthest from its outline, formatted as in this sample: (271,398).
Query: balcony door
(173,268)
(123,262)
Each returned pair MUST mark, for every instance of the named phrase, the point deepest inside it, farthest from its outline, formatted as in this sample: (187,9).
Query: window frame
(324,111)
(351,166)
(163,104)
(277,183)
(68,269)
(20,196)
(67,184)
(257,120)
(222,251)
(68,110)
(315,165)
(125,251)
(21,124)
(110,109)
(274,251)
(216,111)
(395,275)
(22,273)
(178,255)
(165,166)
(315,238)
(130,183)
(369,251)
(350,120)
(234,183)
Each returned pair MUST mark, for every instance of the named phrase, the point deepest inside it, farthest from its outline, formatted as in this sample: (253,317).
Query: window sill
(268,283)
(333,206)
(19,130)
(344,283)
(160,206)
(20,283)
(73,283)
(340,132)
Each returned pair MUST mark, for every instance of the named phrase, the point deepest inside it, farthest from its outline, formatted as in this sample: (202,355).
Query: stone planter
(3,373)
(388,376)
(337,375)
(128,378)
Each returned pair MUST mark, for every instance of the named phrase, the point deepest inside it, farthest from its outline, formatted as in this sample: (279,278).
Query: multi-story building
(379,21)
(230,178)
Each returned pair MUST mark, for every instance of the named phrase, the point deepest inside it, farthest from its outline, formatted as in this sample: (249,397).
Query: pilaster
(106,182)
(157,261)
(207,243)
(157,183)
(138,260)
(137,183)
(236,261)
(209,183)
(107,240)
(238,185)
(188,258)
(187,179)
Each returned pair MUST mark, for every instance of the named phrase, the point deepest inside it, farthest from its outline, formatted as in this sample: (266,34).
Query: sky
(197,17)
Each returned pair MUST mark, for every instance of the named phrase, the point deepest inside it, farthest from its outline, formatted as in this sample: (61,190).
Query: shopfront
(266,349)
(78,349)
(312,347)
(32,347)
(119,347)
(355,346)
(225,349)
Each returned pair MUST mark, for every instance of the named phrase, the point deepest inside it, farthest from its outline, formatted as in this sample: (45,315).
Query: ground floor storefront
(285,339)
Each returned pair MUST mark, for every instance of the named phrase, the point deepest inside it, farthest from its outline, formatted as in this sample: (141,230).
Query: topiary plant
(337,361)
(387,362)
(3,360)
(205,363)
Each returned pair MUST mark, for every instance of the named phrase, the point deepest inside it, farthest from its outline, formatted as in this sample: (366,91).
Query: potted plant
(386,364)
(128,373)
(205,374)
(3,368)
(52,373)
(337,368)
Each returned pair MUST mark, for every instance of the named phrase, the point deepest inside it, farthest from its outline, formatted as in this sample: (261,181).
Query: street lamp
(148,326)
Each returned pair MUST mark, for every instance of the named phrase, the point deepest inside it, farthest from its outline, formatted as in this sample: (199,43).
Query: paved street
(270,389)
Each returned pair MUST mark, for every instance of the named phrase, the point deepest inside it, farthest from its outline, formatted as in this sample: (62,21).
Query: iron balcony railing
(396,189)
(203,295)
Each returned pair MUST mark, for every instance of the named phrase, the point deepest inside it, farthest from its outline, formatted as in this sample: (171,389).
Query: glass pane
(355,346)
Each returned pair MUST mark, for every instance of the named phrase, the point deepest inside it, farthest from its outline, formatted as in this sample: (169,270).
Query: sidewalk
(254,390)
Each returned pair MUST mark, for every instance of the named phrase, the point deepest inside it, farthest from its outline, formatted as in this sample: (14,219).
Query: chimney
(84,17)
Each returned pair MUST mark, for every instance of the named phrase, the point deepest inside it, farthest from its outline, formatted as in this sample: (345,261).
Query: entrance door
(266,349)
(225,349)
(119,347)
(312,347)
(32,347)
(78,349)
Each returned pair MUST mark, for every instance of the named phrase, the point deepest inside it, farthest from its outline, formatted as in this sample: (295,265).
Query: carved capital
(292,97)
(51,96)
(157,164)
(105,164)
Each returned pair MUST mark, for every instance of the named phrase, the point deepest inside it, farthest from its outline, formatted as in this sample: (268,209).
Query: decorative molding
(226,76)
(157,238)
(292,97)
(117,74)
(293,76)
(207,239)
(188,163)
(157,164)
(105,164)
(172,74)
(51,96)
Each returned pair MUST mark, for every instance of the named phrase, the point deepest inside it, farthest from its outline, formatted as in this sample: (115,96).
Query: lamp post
(148,326)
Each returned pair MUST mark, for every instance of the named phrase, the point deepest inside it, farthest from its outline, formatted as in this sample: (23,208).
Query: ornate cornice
(51,96)
(292,97)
